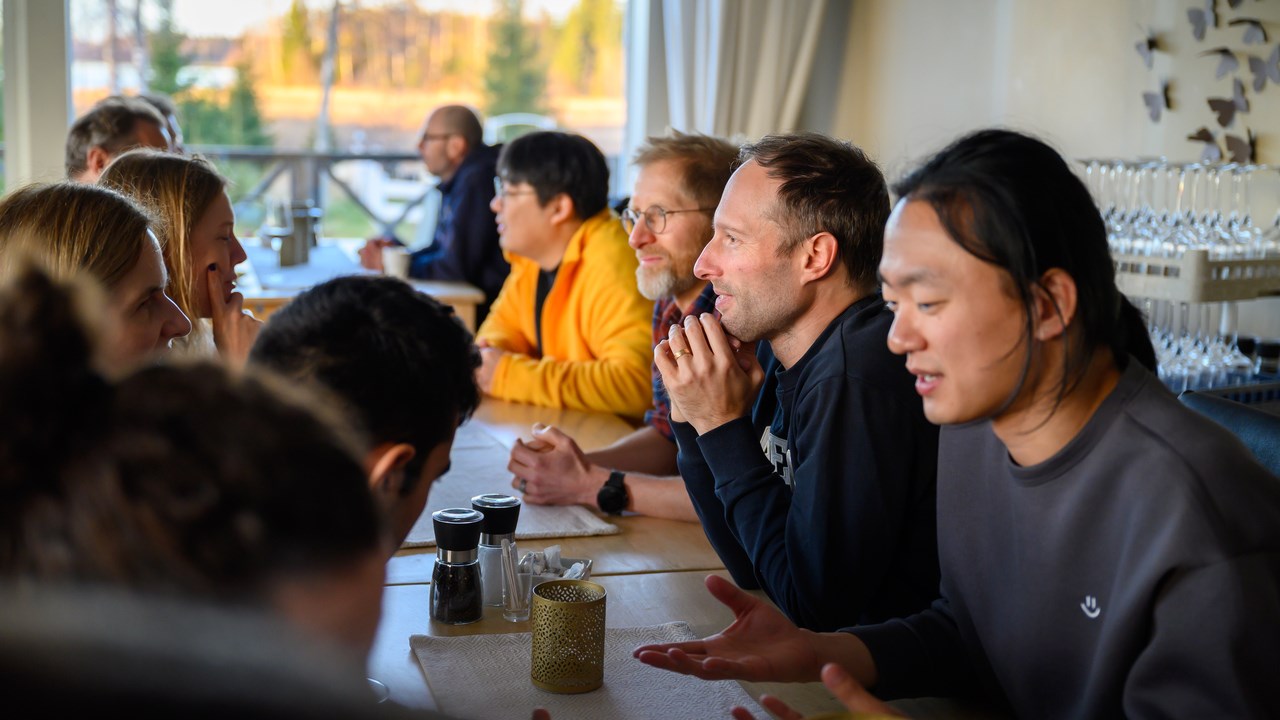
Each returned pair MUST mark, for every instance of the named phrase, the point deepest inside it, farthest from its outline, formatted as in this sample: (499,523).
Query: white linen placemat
(479,465)
(486,677)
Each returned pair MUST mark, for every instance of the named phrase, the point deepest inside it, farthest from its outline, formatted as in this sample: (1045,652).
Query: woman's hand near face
(234,329)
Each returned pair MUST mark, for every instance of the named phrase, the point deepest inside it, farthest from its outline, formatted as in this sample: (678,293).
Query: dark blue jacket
(465,244)
(839,526)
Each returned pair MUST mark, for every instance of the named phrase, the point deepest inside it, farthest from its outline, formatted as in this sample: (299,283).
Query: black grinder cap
(457,529)
(501,512)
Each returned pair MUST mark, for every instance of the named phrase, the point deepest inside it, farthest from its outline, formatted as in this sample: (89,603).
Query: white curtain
(736,67)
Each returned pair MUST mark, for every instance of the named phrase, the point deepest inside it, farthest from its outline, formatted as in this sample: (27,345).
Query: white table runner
(480,466)
(486,677)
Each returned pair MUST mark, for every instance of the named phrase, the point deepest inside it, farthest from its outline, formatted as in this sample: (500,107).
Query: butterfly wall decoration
(1211,153)
(1254,33)
(1226,108)
(1147,48)
(1242,149)
(1156,102)
(1202,18)
(1227,61)
(1263,70)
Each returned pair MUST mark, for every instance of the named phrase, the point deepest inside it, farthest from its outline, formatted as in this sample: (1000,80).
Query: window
(248,78)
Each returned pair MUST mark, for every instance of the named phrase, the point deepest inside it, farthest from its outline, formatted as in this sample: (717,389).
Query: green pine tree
(167,59)
(516,78)
(242,105)
(300,64)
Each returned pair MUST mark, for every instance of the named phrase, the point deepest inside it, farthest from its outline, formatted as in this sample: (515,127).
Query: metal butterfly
(1265,69)
(1211,153)
(1201,18)
(1226,108)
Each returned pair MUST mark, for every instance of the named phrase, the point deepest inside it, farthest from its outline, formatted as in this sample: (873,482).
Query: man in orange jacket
(569,327)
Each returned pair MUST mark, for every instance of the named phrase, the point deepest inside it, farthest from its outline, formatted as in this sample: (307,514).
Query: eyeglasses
(500,189)
(655,218)
(428,137)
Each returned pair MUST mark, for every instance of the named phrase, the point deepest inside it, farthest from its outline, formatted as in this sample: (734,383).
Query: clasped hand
(711,377)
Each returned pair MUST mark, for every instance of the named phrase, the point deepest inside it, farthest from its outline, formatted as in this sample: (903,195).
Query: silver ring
(523,483)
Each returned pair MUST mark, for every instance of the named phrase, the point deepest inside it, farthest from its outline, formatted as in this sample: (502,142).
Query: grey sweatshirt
(1136,573)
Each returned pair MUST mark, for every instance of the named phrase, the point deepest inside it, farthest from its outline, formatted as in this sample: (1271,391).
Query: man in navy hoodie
(810,463)
(464,246)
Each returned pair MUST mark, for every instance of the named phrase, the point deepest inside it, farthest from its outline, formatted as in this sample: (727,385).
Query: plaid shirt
(666,313)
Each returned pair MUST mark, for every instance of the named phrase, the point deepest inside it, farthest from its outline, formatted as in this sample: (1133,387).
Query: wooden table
(267,287)
(653,572)
(644,544)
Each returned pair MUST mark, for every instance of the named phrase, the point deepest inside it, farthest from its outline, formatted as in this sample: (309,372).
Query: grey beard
(662,284)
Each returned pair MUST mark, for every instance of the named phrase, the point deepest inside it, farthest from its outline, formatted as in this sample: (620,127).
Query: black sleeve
(826,551)
(471,251)
(701,486)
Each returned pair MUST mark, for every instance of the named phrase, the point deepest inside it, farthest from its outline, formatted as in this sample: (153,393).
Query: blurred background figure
(111,127)
(464,246)
(164,105)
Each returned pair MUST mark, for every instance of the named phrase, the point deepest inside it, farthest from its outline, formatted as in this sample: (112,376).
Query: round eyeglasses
(655,218)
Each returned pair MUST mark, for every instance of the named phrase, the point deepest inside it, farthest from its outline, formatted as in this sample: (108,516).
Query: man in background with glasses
(464,245)
(677,188)
(568,328)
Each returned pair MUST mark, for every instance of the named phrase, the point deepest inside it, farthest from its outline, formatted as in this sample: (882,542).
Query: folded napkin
(486,677)
(479,465)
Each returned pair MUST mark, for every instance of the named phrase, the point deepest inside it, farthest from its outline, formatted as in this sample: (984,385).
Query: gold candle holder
(568,636)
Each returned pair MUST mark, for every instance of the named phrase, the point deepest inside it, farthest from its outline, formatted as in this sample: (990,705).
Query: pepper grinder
(455,582)
(501,512)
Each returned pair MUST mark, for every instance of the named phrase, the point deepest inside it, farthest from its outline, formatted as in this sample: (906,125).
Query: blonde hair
(178,189)
(71,228)
(706,163)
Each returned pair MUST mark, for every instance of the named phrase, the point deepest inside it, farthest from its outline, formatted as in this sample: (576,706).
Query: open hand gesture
(760,645)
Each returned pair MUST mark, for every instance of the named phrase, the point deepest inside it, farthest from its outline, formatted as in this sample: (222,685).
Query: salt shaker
(501,512)
(455,583)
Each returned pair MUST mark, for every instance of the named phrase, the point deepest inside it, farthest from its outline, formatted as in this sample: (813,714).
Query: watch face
(612,499)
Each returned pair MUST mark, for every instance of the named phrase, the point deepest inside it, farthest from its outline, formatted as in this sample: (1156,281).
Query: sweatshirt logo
(1090,607)
(778,453)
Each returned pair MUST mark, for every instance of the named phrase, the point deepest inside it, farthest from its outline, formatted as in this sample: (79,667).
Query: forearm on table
(643,451)
(654,486)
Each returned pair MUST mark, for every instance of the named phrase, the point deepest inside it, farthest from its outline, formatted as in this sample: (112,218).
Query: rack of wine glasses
(1187,249)
(1185,232)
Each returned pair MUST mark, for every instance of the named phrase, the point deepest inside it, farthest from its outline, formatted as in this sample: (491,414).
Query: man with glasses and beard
(677,188)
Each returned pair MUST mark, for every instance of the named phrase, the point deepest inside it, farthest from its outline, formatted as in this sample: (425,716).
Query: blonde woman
(201,249)
(69,229)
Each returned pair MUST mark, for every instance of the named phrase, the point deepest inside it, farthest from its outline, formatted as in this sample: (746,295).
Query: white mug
(395,262)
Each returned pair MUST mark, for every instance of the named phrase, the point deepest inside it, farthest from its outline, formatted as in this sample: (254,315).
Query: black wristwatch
(613,497)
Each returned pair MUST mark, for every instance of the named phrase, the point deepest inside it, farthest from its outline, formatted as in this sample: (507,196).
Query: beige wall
(918,73)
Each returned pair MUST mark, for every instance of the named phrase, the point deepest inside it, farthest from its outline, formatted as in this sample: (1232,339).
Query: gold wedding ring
(680,354)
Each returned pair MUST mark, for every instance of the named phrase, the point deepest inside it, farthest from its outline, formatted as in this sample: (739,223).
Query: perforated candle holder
(568,636)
